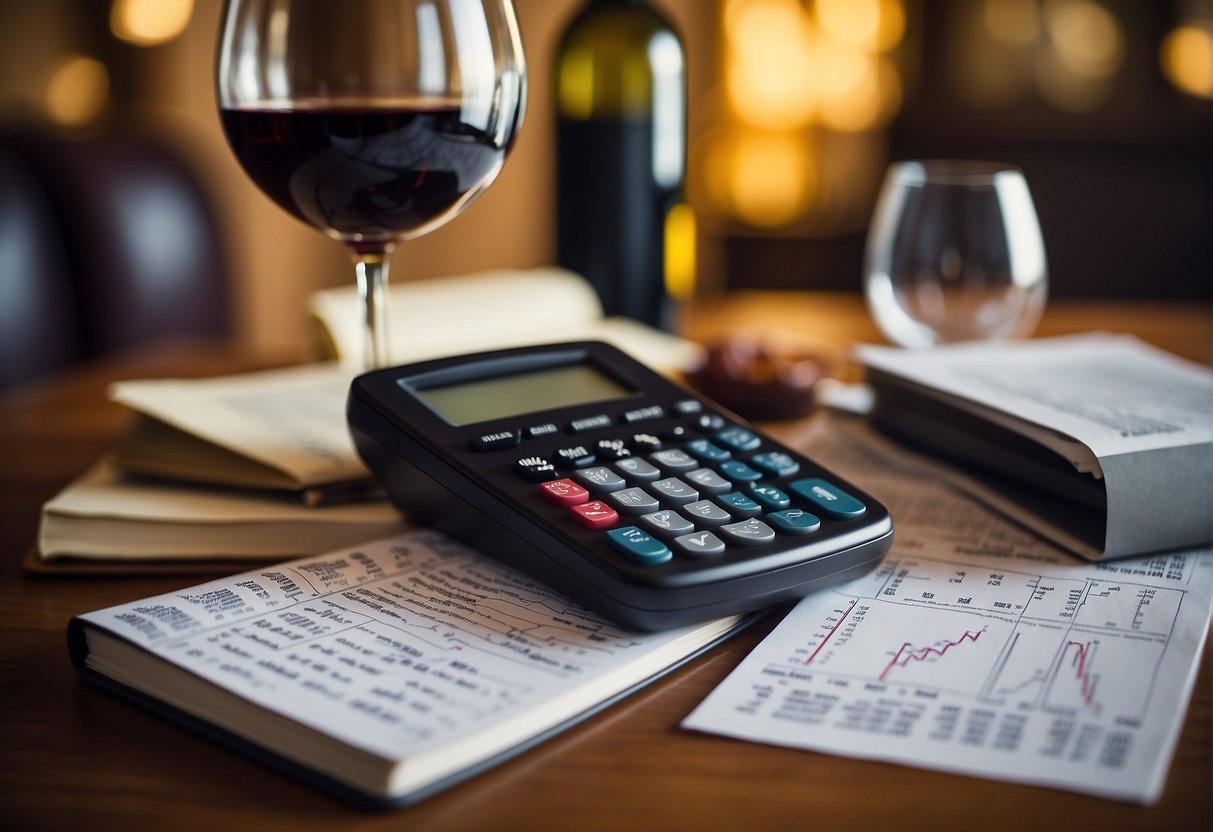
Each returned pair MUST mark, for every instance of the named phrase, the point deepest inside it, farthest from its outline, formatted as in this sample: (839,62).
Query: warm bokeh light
(1089,39)
(1013,23)
(1069,52)
(78,91)
(770,177)
(792,68)
(874,25)
(1084,51)
(149,22)
(856,95)
(769,74)
(1186,56)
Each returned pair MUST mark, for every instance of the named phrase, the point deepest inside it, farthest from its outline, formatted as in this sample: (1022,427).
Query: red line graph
(903,658)
(1080,670)
(833,630)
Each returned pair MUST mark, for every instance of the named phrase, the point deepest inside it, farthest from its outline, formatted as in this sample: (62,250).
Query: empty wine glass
(954,253)
(375,121)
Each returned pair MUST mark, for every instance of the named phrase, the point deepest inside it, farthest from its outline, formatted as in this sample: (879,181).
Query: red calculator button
(595,515)
(563,493)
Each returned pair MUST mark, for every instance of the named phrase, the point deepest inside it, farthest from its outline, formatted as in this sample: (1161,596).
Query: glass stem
(372,271)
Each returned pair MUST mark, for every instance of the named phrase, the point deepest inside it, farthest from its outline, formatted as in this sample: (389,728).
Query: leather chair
(38,326)
(113,243)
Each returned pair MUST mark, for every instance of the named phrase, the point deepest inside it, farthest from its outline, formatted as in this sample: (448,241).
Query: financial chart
(1003,637)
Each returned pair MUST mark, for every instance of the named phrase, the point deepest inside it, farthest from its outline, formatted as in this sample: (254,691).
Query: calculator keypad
(716,488)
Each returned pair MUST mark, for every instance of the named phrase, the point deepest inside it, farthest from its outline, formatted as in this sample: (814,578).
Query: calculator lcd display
(483,399)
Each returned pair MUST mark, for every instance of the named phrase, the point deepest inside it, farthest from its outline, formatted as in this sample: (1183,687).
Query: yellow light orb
(771,181)
(78,91)
(1088,38)
(850,88)
(769,70)
(149,22)
(1186,56)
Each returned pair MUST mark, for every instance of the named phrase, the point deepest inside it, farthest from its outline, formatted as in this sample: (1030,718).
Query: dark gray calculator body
(594,474)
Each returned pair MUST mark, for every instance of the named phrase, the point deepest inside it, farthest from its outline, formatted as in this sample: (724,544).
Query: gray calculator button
(706,513)
(674,491)
(667,523)
(751,532)
(633,501)
(637,469)
(600,478)
(673,459)
(699,545)
(708,481)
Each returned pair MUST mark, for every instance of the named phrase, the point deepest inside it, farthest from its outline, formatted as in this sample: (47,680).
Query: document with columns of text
(977,647)
(383,672)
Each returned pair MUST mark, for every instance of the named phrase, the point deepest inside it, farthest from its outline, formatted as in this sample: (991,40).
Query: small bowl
(758,379)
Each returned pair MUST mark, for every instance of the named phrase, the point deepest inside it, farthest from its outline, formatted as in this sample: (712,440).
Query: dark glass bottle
(620,152)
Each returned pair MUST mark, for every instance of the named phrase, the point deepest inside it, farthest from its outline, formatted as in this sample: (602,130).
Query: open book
(489,310)
(278,429)
(382,673)
(285,429)
(1097,441)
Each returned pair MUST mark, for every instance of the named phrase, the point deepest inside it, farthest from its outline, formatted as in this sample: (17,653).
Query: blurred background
(795,109)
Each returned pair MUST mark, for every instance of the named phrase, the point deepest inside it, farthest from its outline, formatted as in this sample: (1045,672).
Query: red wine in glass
(374,121)
(365,175)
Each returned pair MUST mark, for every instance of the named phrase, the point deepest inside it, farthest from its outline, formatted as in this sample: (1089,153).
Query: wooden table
(72,756)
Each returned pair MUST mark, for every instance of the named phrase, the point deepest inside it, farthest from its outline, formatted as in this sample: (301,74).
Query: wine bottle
(620,152)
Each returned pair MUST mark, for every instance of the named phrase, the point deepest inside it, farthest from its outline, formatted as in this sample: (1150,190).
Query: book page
(292,419)
(1113,393)
(978,648)
(490,310)
(402,646)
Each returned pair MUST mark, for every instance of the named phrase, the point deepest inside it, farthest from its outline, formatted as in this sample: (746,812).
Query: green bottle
(620,152)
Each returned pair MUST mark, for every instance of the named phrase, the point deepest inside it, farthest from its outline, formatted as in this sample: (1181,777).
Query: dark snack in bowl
(757,378)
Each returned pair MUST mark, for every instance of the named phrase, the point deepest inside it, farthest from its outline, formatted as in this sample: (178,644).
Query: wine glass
(375,121)
(954,253)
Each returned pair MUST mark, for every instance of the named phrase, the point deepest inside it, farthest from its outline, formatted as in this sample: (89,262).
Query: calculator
(602,479)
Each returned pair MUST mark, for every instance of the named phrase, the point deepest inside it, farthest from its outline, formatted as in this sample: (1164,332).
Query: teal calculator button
(738,471)
(794,521)
(706,451)
(768,496)
(738,439)
(639,546)
(777,463)
(739,505)
(829,499)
